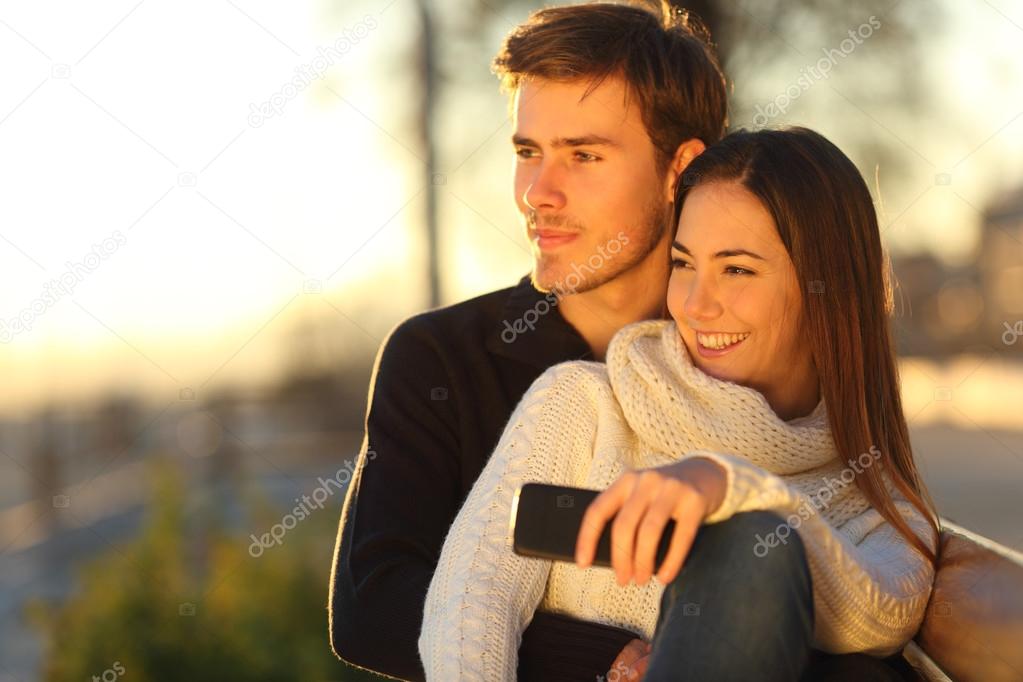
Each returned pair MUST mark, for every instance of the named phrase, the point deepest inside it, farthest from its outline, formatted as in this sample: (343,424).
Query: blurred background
(212,213)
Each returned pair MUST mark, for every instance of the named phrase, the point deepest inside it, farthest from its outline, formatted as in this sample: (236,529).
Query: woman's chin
(709,367)
(719,371)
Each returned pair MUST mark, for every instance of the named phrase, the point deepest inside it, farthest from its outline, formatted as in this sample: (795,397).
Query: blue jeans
(731,614)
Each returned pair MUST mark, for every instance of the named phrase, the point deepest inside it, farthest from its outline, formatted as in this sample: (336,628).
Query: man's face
(586,182)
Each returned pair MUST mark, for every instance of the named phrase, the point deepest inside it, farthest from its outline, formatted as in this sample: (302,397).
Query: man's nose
(546,190)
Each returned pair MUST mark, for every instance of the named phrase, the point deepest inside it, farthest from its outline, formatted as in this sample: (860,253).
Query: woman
(764,414)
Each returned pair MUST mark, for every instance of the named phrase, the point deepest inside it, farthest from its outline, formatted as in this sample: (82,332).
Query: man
(611,103)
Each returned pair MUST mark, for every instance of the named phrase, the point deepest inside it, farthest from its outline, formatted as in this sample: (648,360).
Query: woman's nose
(702,302)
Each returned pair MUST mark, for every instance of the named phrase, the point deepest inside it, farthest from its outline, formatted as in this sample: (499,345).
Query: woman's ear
(686,152)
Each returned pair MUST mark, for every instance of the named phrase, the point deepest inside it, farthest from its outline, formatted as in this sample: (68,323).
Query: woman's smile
(716,344)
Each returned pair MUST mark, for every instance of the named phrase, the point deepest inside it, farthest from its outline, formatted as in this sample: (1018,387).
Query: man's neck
(638,294)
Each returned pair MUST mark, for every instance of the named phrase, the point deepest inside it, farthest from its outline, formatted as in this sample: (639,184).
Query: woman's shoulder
(574,375)
(572,385)
(572,397)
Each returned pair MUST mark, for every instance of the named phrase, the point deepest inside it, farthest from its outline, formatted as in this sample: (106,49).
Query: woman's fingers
(641,503)
(651,528)
(623,529)
(626,524)
(687,523)
(677,501)
(603,507)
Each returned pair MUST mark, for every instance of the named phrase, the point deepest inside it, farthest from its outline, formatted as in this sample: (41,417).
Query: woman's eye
(677,263)
(736,270)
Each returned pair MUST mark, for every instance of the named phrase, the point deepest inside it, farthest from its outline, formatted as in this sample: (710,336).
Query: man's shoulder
(468,321)
(479,309)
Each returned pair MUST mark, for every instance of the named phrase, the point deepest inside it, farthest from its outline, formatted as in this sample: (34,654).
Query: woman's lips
(706,352)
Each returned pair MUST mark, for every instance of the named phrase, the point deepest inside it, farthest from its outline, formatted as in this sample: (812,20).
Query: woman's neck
(794,400)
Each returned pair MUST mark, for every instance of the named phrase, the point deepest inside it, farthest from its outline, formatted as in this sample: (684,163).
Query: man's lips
(547,239)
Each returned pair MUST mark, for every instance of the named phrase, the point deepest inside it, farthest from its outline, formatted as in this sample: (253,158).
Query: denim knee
(757,534)
(736,613)
(766,535)
(751,552)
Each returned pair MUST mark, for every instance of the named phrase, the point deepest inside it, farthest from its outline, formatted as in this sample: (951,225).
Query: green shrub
(174,605)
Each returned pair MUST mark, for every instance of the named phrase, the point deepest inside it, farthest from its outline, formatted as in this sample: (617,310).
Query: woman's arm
(870,585)
(483,595)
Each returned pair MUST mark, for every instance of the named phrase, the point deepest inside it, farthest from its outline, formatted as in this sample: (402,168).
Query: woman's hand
(687,491)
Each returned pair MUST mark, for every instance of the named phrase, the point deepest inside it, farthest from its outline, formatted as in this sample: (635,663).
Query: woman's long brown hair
(826,219)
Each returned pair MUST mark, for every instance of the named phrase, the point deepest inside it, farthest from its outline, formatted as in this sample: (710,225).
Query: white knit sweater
(583,424)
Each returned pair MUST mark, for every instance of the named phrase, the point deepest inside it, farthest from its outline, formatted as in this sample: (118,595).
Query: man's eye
(525,153)
(586,157)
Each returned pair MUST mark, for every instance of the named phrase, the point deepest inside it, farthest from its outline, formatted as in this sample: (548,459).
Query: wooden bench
(973,627)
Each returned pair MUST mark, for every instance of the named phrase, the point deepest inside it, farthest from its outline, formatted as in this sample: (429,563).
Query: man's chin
(544,284)
(562,282)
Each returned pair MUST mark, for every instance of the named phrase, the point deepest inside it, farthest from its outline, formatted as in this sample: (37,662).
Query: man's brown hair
(666,60)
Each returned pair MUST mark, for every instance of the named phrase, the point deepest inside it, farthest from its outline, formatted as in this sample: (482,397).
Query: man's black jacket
(443,388)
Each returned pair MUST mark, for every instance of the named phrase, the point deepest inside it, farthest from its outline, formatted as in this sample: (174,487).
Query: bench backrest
(973,627)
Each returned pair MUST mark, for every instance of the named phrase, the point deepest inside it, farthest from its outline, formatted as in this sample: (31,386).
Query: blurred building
(1001,271)
(943,310)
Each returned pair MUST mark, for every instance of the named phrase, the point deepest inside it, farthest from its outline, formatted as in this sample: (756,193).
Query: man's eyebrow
(720,254)
(583,141)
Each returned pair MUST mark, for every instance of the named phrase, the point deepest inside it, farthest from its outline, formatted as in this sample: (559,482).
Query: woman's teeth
(718,341)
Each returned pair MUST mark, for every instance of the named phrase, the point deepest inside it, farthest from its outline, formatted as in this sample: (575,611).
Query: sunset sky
(133,123)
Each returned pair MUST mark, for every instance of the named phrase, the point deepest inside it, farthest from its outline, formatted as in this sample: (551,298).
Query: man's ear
(686,152)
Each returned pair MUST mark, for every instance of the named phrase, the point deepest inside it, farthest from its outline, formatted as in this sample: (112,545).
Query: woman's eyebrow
(720,254)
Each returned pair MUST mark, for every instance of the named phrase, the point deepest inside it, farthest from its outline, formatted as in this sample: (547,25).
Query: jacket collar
(531,329)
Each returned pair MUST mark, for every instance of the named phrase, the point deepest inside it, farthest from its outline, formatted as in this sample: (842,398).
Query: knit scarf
(674,407)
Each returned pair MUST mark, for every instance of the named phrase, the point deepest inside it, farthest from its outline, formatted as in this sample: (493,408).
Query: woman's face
(734,295)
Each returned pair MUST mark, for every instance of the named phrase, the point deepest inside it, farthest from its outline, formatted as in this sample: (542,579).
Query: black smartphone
(546,519)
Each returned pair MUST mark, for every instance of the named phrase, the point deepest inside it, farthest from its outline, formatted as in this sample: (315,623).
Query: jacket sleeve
(870,585)
(483,595)
(404,493)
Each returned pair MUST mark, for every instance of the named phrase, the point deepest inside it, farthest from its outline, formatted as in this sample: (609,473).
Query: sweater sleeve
(483,595)
(870,585)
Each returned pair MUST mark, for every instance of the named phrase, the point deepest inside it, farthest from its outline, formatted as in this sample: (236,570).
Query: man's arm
(403,497)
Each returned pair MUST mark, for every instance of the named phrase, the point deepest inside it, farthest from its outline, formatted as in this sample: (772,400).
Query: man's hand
(631,663)
(687,491)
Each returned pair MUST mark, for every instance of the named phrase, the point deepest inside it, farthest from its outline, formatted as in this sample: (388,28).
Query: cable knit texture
(584,424)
